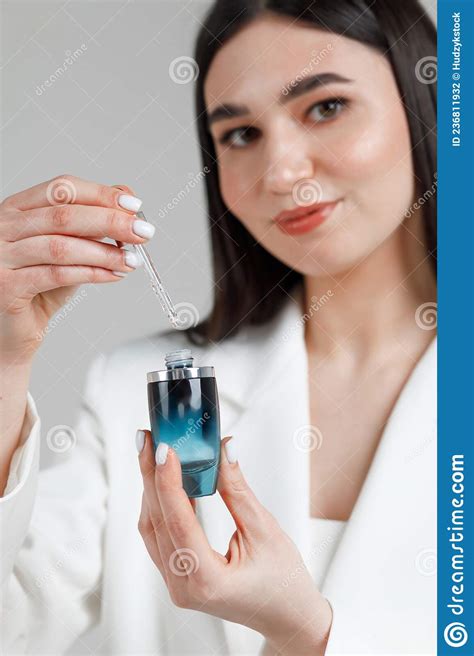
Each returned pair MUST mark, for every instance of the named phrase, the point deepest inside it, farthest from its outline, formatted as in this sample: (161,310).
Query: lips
(304,219)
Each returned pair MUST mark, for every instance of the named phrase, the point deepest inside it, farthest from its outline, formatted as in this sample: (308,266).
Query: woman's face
(345,140)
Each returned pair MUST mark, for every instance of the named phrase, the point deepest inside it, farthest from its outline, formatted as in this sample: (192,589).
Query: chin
(329,257)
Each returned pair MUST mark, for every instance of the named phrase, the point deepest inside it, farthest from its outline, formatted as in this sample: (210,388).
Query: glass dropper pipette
(156,282)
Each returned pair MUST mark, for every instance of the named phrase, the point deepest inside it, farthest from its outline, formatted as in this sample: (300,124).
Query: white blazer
(72,557)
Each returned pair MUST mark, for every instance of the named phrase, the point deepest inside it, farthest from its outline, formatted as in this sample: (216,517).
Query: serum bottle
(183,406)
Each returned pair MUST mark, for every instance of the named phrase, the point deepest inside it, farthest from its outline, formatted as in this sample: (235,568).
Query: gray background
(116,117)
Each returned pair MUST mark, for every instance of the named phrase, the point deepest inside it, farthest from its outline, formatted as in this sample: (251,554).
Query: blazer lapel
(381,582)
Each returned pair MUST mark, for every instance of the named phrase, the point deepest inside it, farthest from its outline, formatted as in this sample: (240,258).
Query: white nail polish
(161,453)
(128,202)
(132,259)
(143,228)
(140,440)
(231,450)
(122,274)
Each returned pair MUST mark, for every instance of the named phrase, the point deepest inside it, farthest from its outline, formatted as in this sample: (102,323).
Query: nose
(286,162)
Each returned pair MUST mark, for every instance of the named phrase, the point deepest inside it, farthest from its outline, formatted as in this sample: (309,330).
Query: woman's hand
(261,582)
(50,244)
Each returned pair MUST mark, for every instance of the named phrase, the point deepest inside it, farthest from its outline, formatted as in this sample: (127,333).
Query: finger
(147,463)
(183,526)
(62,250)
(127,190)
(147,531)
(246,510)
(71,189)
(146,460)
(75,220)
(32,280)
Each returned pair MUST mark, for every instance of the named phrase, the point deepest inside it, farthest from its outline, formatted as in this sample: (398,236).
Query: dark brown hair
(251,283)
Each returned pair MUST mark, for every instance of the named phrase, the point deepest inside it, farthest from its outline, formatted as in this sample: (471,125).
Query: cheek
(238,188)
(377,163)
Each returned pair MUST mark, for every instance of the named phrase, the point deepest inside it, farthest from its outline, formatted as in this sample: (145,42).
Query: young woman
(317,125)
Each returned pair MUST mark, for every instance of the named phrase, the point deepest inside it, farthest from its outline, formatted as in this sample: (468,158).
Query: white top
(68,530)
(325,537)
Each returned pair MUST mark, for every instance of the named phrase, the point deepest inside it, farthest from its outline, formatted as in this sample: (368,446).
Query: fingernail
(161,453)
(122,274)
(140,440)
(128,202)
(143,228)
(132,259)
(231,450)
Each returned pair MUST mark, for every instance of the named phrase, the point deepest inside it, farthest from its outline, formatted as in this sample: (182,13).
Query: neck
(362,311)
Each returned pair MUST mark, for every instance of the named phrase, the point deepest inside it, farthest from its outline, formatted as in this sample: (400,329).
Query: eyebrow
(294,89)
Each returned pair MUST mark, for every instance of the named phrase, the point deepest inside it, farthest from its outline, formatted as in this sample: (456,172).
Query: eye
(325,110)
(328,109)
(245,134)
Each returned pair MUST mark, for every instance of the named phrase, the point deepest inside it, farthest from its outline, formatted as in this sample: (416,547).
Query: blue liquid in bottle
(184,412)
